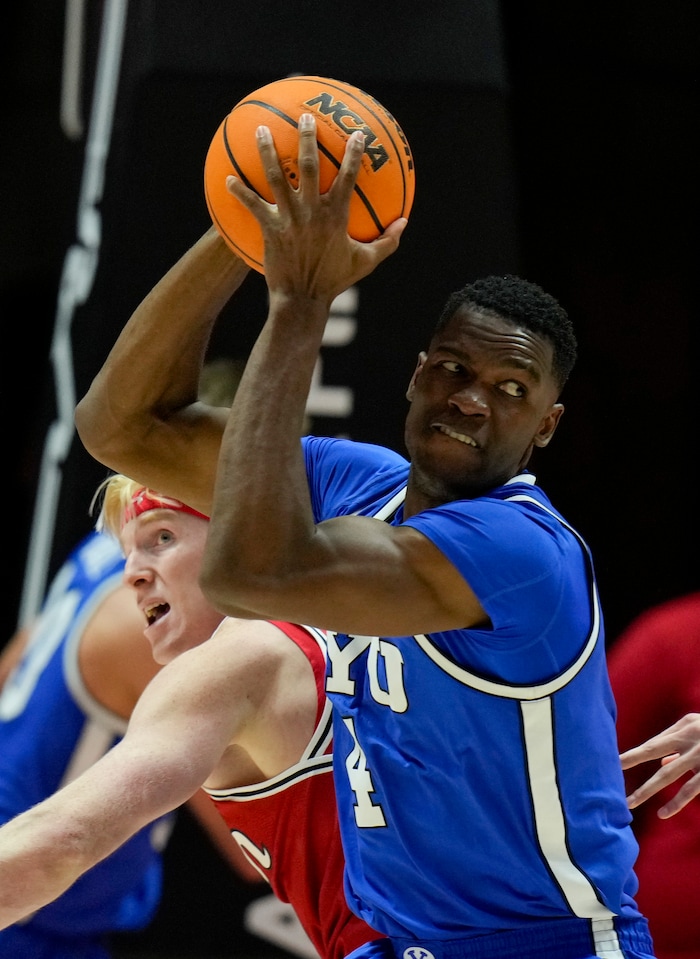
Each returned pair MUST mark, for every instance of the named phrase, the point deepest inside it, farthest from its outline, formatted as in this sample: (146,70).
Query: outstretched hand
(308,251)
(678,748)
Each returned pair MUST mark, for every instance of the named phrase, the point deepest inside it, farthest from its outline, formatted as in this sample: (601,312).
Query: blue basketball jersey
(51,729)
(477,770)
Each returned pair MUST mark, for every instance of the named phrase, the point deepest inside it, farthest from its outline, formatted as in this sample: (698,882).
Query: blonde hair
(123,500)
(115,495)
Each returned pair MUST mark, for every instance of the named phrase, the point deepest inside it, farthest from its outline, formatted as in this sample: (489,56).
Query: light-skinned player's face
(482,398)
(163,550)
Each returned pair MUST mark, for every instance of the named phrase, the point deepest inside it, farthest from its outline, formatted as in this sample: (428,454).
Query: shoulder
(502,546)
(258,647)
(499,521)
(114,656)
(90,571)
(334,449)
(681,610)
(348,477)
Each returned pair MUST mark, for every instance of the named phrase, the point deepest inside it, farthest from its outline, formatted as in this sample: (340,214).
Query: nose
(136,573)
(470,400)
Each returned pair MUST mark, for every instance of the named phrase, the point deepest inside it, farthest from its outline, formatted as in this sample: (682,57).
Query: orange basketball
(385,183)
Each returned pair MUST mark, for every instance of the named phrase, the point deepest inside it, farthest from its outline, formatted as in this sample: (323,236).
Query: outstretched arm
(678,748)
(177,734)
(141,415)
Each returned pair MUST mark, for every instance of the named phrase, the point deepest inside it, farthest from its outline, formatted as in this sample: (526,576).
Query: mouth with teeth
(154,613)
(461,437)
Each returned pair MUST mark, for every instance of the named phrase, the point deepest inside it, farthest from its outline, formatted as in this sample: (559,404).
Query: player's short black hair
(526,304)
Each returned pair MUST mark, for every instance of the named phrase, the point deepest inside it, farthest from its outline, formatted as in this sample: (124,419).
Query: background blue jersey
(51,729)
(477,770)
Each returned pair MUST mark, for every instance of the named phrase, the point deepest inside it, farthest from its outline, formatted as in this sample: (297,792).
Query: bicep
(374,579)
(183,722)
(213,696)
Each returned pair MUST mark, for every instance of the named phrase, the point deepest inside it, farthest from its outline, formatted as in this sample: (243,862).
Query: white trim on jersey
(539,743)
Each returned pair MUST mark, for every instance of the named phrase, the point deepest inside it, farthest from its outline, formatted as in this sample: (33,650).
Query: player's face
(163,549)
(481,399)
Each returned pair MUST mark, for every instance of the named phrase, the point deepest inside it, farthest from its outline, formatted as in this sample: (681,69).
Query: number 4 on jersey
(367,815)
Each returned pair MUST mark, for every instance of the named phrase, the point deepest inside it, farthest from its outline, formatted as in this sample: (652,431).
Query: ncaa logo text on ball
(349,121)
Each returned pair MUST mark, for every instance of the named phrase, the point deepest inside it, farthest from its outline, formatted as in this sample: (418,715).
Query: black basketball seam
(220,226)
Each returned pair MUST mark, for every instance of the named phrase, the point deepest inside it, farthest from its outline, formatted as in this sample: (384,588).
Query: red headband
(142,501)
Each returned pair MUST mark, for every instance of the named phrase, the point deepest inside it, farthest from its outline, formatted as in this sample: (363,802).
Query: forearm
(32,872)
(262,541)
(138,415)
(44,850)
(261,513)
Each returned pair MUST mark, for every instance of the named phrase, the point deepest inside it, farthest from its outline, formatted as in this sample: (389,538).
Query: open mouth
(154,613)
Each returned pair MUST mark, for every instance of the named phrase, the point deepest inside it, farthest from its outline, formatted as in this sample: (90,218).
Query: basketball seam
(322,149)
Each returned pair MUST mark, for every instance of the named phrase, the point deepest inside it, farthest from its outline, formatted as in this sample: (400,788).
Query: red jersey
(655,673)
(287,827)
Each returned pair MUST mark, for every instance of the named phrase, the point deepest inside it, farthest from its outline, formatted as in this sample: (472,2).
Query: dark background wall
(554,140)
(605,109)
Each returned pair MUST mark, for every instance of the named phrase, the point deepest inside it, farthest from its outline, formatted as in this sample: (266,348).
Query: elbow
(86,424)
(117,443)
(93,429)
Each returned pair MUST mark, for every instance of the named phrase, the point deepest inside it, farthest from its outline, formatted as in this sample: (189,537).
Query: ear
(548,425)
(410,392)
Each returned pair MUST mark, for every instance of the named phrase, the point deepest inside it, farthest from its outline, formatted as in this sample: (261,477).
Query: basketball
(385,184)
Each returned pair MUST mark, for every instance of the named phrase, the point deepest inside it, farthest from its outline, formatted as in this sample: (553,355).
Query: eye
(512,388)
(451,366)
(164,536)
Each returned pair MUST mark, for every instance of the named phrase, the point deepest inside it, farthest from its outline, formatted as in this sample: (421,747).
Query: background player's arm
(116,664)
(164,757)
(218,695)
(680,741)
(141,415)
